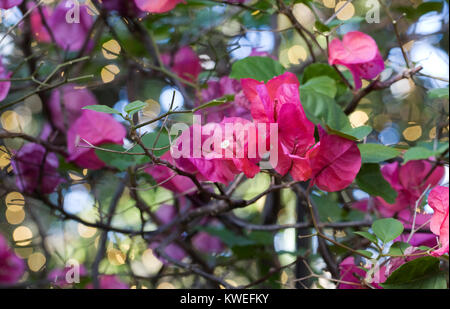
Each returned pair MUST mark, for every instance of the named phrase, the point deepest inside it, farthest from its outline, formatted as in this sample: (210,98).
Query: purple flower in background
(124,8)
(167,178)
(11,266)
(70,29)
(58,275)
(109,282)
(40,33)
(165,214)
(97,129)
(66,105)
(7,4)
(157,6)
(257,53)
(219,88)
(185,63)
(5,85)
(36,169)
(207,243)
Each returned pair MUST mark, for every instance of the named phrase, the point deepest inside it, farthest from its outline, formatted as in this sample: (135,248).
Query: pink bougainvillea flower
(164,215)
(109,282)
(66,105)
(335,162)
(36,169)
(11,266)
(409,182)
(359,53)
(70,35)
(58,276)
(7,4)
(207,243)
(207,169)
(352,276)
(40,33)
(157,6)
(185,63)
(240,107)
(4,85)
(418,239)
(278,101)
(256,53)
(438,200)
(210,163)
(410,253)
(97,129)
(202,240)
(168,178)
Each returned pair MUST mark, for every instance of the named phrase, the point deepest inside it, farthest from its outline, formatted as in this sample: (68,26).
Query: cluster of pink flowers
(410,181)
(240,107)
(84,128)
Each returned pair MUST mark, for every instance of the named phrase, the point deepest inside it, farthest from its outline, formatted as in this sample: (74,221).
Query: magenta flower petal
(97,129)
(207,243)
(109,282)
(5,85)
(359,53)
(167,177)
(7,4)
(157,6)
(335,163)
(438,200)
(40,33)
(185,63)
(66,105)
(11,266)
(70,36)
(36,169)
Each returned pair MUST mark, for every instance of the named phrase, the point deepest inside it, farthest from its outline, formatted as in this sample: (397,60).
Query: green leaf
(259,68)
(215,102)
(322,109)
(387,229)
(439,93)
(126,159)
(354,133)
(426,7)
(162,142)
(398,248)
(322,84)
(321,27)
(365,252)
(102,109)
(376,153)
(367,235)
(420,273)
(134,107)
(319,69)
(121,161)
(418,153)
(328,208)
(370,180)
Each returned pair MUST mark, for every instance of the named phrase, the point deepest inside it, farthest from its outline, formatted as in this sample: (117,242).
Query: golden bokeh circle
(36,261)
(22,235)
(344,10)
